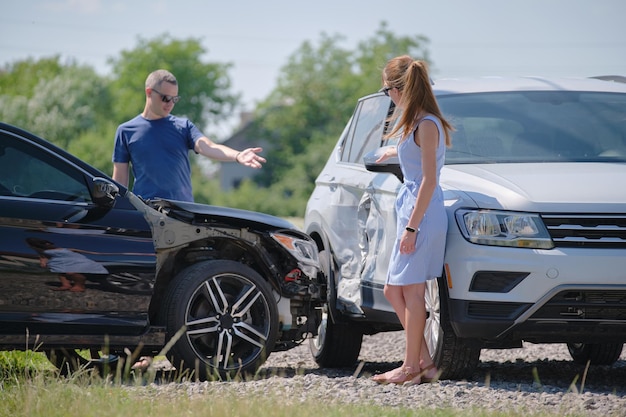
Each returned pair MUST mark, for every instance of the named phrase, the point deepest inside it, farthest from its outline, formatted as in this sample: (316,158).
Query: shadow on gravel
(535,376)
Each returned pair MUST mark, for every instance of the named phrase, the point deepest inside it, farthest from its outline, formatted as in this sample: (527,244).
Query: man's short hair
(158,77)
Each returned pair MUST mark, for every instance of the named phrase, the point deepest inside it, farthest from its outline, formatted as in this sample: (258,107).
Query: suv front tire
(337,343)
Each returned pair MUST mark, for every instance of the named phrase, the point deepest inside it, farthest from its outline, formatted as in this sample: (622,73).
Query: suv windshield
(538,126)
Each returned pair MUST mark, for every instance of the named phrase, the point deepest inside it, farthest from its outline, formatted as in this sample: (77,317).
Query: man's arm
(120,172)
(248,157)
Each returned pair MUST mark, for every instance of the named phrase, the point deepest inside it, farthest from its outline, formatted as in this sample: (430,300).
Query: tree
(58,102)
(20,77)
(95,146)
(204,87)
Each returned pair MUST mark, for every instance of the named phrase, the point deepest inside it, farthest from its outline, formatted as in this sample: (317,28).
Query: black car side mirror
(390,165)
(104,192)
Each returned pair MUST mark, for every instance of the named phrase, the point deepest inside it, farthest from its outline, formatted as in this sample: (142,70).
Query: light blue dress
(62,260)
(426,262)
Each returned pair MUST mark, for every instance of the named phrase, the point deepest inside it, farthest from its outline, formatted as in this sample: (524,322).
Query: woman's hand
(391,151)
(407,242)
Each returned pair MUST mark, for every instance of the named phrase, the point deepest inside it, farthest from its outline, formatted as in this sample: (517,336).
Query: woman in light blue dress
(422,222)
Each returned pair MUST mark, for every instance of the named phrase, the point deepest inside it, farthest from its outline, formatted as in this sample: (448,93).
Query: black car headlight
(305,252)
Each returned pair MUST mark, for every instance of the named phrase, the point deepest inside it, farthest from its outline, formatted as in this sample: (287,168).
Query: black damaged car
(88,269)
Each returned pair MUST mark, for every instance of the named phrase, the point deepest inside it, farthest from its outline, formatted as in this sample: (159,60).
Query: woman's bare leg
(79,282)
(393,293)
(65,284)
(408,303)
(414,323)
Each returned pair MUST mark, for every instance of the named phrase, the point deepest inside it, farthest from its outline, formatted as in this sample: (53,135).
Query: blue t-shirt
(158,151)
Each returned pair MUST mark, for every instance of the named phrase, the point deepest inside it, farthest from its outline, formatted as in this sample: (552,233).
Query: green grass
(49,397)
(30,386)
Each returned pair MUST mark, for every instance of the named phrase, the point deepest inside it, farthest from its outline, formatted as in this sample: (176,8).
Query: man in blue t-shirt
(156,145)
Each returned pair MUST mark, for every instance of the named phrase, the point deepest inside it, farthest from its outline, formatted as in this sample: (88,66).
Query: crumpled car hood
(216,215)
(540,187)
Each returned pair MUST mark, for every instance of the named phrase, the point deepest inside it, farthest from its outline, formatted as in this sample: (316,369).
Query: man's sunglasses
(167,99)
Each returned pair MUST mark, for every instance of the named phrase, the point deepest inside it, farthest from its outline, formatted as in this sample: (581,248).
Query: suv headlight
(504,228)
(304,251)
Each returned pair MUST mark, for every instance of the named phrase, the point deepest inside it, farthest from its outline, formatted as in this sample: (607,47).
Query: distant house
(232,174)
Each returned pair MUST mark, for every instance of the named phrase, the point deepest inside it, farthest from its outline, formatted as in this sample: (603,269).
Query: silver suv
(535,189)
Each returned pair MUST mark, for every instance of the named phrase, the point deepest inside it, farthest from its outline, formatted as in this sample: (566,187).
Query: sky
(466,37)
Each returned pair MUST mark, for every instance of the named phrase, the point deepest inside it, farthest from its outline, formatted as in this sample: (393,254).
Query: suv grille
(585,305)
(589,231)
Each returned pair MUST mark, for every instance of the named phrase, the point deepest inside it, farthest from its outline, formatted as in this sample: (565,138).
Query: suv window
(28,171)
(366,135)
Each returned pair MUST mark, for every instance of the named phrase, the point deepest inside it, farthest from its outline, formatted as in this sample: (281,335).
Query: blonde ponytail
(412,79)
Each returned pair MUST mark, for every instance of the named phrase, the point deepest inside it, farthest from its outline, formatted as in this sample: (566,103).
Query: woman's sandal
(432,379)
(383,378)
(406,375)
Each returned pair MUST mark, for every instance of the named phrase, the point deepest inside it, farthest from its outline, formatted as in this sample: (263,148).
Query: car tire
(595,353)
(229,316)
(337,344)
(455,358)
(69,361)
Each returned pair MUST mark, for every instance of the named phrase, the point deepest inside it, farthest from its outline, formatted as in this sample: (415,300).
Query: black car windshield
(536,126)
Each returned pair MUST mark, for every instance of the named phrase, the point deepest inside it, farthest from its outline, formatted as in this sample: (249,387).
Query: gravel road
(534,380)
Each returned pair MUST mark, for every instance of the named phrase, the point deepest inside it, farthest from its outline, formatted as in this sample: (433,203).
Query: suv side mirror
(391,165)
(104,192)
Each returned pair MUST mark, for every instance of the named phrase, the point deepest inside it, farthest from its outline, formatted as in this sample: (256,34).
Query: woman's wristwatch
(410,229)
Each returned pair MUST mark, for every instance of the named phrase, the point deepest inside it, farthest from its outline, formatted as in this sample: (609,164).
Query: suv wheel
(595,353)
(337,344)
(456,358)
(229,316)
